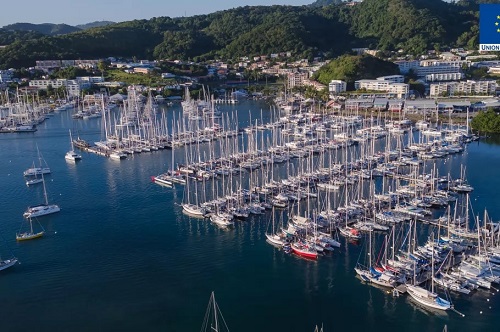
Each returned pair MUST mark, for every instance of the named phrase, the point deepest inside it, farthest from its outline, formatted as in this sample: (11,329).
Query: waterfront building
(380,104)
(395,105)
(359,104)
(420,106)
(469,87)
(399,90)
(453,106)
(73,87)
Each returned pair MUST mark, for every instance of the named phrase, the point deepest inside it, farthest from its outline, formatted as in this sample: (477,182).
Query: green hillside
(411,25)
(350,68)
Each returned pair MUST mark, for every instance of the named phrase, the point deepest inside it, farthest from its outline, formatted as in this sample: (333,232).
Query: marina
(256,183)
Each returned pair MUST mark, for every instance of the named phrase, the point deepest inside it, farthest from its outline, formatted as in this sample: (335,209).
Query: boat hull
(41,210)
(29,236)
(5,264)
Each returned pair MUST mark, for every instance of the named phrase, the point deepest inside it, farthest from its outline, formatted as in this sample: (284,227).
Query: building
(447,56)
(143,70)
(406,66)
(48,65)
(297,79)
(392,78)
(86,64)
(90,79)
(380,104)
(315,85)
(453,106)
(395,105)
(427,106)
(469,87)
(359,104)
(444,77)
(72,87)
(337,86)
(399,90)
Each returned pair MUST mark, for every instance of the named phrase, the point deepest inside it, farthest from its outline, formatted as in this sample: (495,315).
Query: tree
(50,90)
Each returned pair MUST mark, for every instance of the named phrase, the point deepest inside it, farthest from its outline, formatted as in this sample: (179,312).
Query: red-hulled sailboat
(303,250)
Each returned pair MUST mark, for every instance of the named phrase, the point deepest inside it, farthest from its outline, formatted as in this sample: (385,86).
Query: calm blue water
(121,256)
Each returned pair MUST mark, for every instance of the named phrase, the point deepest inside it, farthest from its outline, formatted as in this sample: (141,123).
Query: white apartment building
(73,87)
(444,77)
(400,90)
(438,68)
(392,78)
(90,79)
(405,66)
(430,67)
(469,87)
(337,86)
(48,65)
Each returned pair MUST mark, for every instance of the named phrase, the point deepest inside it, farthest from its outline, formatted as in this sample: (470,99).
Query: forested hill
(411,25)
(44,28)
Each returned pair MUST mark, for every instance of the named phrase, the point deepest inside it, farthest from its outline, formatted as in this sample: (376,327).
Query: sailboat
(34,171)
(41,209)
(192,209)
(34,179)
(272,237)
(6,263)
(71,155)
(30,235)
(214,321)
(428,298)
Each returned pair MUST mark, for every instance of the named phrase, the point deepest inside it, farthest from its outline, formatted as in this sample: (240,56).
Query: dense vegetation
(307,31)
(9,37)
(350,68)
(322,3)
(95,24)
(486,122)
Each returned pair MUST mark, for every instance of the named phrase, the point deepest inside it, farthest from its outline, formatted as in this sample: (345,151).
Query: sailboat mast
(44,191)
(215,313)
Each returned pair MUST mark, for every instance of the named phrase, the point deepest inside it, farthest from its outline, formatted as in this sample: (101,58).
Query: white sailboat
(71,155)
(6,263)
(41,209)
(272,237)
(35,171)
(428,298)
(214,321)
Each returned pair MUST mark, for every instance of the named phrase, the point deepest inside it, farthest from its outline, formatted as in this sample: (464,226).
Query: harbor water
(121,255)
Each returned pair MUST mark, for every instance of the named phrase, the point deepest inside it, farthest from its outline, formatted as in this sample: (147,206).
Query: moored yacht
(6,263)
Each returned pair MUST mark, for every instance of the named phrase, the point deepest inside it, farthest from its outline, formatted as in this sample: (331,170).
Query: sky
(74,12)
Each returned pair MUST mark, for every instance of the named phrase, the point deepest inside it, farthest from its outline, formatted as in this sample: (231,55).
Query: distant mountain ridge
(50,29)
